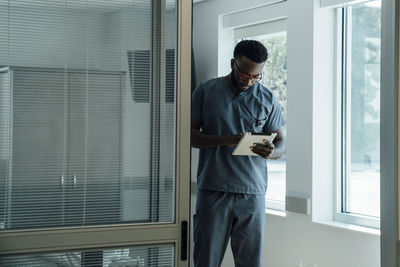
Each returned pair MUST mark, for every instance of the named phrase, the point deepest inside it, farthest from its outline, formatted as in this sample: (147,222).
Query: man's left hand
(264,150)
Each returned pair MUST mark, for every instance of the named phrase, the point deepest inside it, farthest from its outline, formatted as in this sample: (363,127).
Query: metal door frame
(108,236)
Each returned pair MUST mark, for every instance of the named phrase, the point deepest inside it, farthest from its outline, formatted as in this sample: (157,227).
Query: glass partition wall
(91,131)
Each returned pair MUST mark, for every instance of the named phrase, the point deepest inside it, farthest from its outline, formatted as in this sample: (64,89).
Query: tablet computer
(248,139)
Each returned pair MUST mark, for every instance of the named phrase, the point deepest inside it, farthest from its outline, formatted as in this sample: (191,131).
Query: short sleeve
(275,119)
(197,103)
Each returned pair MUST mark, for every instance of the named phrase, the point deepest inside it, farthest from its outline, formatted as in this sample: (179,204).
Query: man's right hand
(207,141)
(233,140)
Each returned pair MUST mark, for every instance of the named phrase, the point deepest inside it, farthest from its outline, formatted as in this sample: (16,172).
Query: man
(231,196)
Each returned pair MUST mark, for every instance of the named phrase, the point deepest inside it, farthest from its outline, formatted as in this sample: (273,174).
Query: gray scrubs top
(222,113)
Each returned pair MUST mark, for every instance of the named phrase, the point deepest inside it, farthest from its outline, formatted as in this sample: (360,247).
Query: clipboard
(248,139)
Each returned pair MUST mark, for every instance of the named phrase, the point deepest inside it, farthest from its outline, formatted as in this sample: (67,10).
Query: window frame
(272,204)
(341,144)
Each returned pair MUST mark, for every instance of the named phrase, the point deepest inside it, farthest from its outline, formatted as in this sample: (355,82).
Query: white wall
(295,236)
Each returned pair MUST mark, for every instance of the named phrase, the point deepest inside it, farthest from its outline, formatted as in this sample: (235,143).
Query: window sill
(280,213)
(351,227)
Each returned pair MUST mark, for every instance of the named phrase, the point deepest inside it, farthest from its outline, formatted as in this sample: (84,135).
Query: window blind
(139,72)
(275,10)
(135,256)
(76,148)
(341,3)
(272,27)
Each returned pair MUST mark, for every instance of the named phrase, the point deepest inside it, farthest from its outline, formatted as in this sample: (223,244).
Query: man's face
(245,73)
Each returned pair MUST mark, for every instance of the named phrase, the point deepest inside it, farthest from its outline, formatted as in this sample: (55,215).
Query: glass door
(94,133)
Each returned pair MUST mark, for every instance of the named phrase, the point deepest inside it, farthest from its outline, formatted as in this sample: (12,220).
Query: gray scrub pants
(222,215)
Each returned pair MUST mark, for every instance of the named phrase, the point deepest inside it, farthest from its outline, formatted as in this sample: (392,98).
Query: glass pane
(136,256)
(88,110)
(274,78)
(363,118)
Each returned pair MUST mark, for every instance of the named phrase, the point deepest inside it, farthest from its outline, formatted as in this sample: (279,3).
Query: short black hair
(252,49)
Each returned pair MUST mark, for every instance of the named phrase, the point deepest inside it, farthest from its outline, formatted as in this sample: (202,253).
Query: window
(358,185)
(275,75)
(274,78)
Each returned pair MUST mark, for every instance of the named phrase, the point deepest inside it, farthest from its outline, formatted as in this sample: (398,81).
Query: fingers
(267,147)
(263,150)
(269,144)
(261,153)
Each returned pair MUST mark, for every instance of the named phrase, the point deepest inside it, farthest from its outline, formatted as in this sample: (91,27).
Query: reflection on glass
(363,110)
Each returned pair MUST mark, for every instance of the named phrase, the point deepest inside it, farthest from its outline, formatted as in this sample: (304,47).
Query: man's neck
(232,84)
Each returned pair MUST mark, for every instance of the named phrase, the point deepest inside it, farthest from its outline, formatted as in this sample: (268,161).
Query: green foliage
(365,82)
(274,73)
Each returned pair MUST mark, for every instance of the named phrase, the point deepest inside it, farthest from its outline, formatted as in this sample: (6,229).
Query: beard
(237,84)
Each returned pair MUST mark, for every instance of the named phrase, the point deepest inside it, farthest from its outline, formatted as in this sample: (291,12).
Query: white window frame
(338,213)
(264,20)
(280,29)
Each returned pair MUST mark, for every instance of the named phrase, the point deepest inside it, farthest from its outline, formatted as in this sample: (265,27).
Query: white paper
(248,140)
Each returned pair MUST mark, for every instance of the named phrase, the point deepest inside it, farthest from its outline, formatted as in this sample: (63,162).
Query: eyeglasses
(246,77)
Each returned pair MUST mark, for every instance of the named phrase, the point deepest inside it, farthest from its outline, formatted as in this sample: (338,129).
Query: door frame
(108,236)
(390,123)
